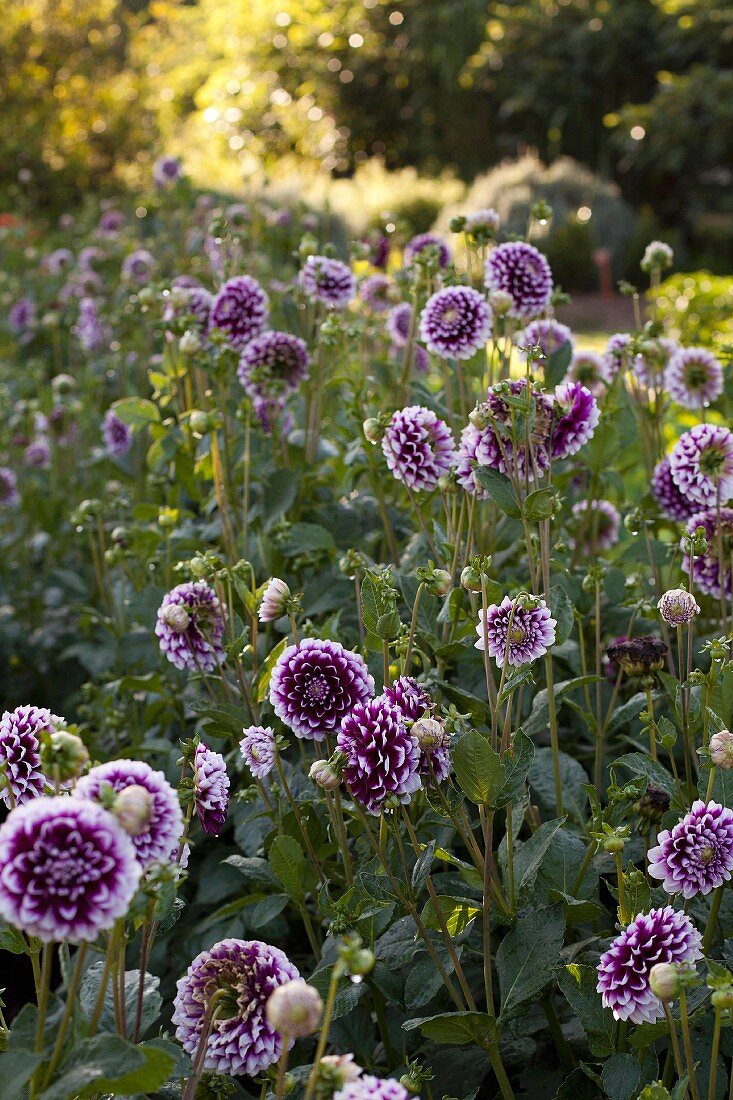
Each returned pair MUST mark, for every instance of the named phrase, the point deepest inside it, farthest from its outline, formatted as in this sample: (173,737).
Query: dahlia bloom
(191,304)
(329,281)
(706,568)
(161,832)
(496,436)
(110,223)
(211,789)
(659,936)
(414,703)
(617,352)
(90,332)
(521,270)
(696,856)
(576,418)
(650,364)
(701,464)
(166,171)
(591,370)
(455,322)
(117,435)
(599,521)
(20,752)
(241,1039)
(22,316)
(59,260)
(273,365)
(274,600)
(315,683)
(667,495)
(190,627)
(418,447)
(67,869)
(529,636)
(693,378)
(9,495)
(382,758)
(482,223)
(37,454)
(547,334)
(258,750)
(138,266)
(419,243)
(677,607)
(399,321)
(376,292)
(240,310)
(366,1087)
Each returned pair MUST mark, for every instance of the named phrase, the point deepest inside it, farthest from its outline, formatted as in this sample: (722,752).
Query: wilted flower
(211,789)
(194,643)
(9,495)
(158,831)
(273,365)
(240,310)
(696,856)
(514,633)
(661,935)
(599,523)
(315,683)
(693,377)
(638,656)
(455,322)
(67,869)
(418,447)
(664,490)
(274,602)
(416,245)
(701,464)
(575,420)
(706,567)
(258,750)
(329,281)
(241,1038)
(117,435)
(20,752)
(653,804)
(521,270)
(677,607)
(382,758)
(721,750)
(294,1009)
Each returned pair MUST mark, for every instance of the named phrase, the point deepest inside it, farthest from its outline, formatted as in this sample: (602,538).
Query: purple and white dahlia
(20,752)
(649,364)
(166,171)
(22,316)
(189,304)
(701,464)
(591,370)
(329,281)
(416,245)
(91,333)
(117,435)
(240,310)
(706,567)
(455,322)
(160,829)
(418,447)
(521,270)
(482,223)
(315,683)
(576,419)
(659,936)
(696,856)
(499,432)
(241,1039)
(211,789)
(273,365)
(139,266)
(693,378)
(547,334)
(414,703)
(377,293)
(366,1087)
(599,523)
(617,353)
(190,627)
(258,750)
(67,869)
(399,322)
(667,495)
(9,495)
(516,634)
(382,757)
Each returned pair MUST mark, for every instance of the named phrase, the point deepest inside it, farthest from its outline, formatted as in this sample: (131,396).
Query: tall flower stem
(413,624)
(299,819)
(71,995)
(336,975)
(282,1066)
(623,915)
(687,1043)
(709,934)
(198,1065)
(674,1039)
(714,1055)
(652,723)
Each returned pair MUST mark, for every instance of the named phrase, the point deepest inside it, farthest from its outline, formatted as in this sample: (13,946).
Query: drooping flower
(515,633)
(591,370)
(521,270)
(329,281)
(274,600)
(258,750)
(242,1041)
(418,447)
(638,656)
(377,292)
(273,365)
(166,171)
(575,420)
(294,1009)
(599,523)
(366,1087)
(398,324)
(416,245)
(190,627)
(661,935)
(211,789)
(9,495)
(706,567)
(20,752)
(139,266)
(162,828)
(693,378)
(315,683)
(455,322)
(617,353)
(117,435)
(677,606)
(240,310)
(382,757)
(547,334)
(67,869)
(701,464)
(667,495)
(696,856)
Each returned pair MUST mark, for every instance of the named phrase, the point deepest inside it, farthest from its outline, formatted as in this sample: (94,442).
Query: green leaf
(528,958)
(421,870)
(289,865)
(528,858)
(301,538)
(540,504)
(16,1069)
(479,771)
(109,1064)
(556,365)
(572,778)
(516,763)
(621,1076)
(152,1000)
(643,766)
(11,939)
(578,983)
(457,913)
(563,612)
(456,1028)
(137,412)
(262,683)
(540,714)
(254,870)
(499,489)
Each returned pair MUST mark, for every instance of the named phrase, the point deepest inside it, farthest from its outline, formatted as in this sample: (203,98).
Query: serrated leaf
(478,769)
(457,913)
(540,504)
(528,858)
(516,763)
(288,865)
(108,1064)
(152,1000)
(456,1028)
(578,983)
(262,683)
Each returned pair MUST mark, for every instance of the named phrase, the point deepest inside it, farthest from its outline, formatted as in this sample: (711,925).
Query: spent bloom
(706,567)
(381,757)
(431,241)
(721,750)
(190,627)
(521,270)
(274,602)
(669,498)
(241,1038)
(20,752)
(418,447)
(638,656)
(366,1087)
(157,835)
(117,435)
(659,936)
(693,378)
(273,365)
(211,789)
(240,310)
(696,856)
(315,683)
(599,522)
(677,607)
(329,281)
(67,869)
(258,750)
(516,633)
(455,322)
(576,418)
(701,464)
(294,1009)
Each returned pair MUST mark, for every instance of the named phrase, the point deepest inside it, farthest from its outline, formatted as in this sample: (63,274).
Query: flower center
(712,461)
(317,689)
(707,854)
(517,634)
(695,376)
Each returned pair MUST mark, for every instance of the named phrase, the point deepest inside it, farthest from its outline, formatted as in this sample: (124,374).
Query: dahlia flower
(667,495)
(273,365)
(696,856)
(315,683)
(706,567)
(677,607)
(274,602)
(516,634)
(576,418)
(90,332)
(497,437)
(329,281)
(138,266)
(376,292)
(211,789)
(20,752)
(418,447)
(521,270)
(258,750)
(418,244)
(382,758)
(191,304)
(616,355)
(366,1087)
(9,495)
(599,522)
(190,627)
(701,464)
(117,435)
(240,310)
(482,223)
(398,324)
(591,370)
(650,363)
(166,170)
(414,703)
(455,322)
(547,334)
(693,378)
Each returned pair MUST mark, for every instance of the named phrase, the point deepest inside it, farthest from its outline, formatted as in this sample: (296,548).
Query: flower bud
(722,998)
(325,775)
(189,343)
(63,384)
(613,844)
(198,566)
(677,607)
(199,421)
(294,1009)
(63,755)
(721,749)
(500,301)
(664,980)
(429,732)
(437,581)
(373,430)
(360,962)
(657,257)
(176,617)
(146,296)
(274,600)
(132,807)
(479,416)
(338,1069)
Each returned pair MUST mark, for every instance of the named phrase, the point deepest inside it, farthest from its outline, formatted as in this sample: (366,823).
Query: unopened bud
(429,732)
(63,755)
(199,421)
(176,617)
(146,296)
(500,301)
(294,1009)
(132,807)
(722,998)
(373,430)
(274,600)
(721,749)
(189,343)
(325,775)
(664,980)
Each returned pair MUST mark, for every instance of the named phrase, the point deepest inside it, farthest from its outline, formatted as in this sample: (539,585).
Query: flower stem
(336,974)
(72,991)
(714,1055)
(711,925)
(687,1043)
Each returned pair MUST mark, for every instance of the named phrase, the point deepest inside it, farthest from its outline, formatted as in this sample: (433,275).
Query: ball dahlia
(418,447)
(455,322)
(693,378)
(667,495)
(211,789)
(190,627)
(521,270)
(514,633)
(696,856)
(329,281)
(273,365)
(240,310)
(117,435)
(576,417)
(706,567)
(701,464)
(20,752)
(416,245)
(258,750)
(315,683)
(382,757)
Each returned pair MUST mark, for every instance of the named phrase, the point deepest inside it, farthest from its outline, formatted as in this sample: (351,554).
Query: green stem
(711,925)
(687,1043)
(623,915)
(325,1028)
(73,989)
(714,1055)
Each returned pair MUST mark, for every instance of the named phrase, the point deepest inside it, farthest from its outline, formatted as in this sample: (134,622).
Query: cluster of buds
(327,773)
(612,839)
